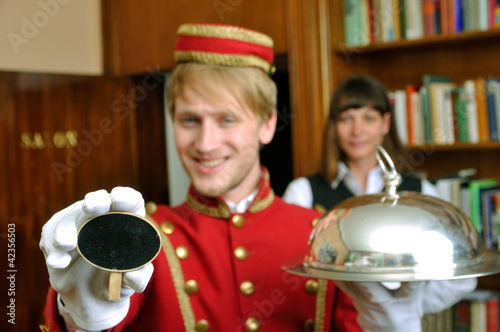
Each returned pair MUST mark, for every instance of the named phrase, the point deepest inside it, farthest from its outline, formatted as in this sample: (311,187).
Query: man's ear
(267,129)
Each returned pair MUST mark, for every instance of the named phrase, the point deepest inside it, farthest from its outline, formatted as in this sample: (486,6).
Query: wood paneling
(150,124)
(141,34)
(310,69)
(458,59)
(41,172)
(460,56)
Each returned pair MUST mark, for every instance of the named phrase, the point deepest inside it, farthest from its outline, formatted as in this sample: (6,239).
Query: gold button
(238,220)
(151,208)
(320,208)
(191,287)
(311,286)
(241,253)
(202,325)
(252,324)
(182,252)
(314,222)
(44,328)
(247,288)
(309,325)
(167,227)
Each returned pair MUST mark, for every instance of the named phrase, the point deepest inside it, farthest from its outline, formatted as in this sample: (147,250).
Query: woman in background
(360,118)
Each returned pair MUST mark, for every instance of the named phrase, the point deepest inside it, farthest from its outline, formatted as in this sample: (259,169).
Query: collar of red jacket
(217,208)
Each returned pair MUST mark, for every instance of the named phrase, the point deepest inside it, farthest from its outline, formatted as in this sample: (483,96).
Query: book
(497,14)
(352,31)
(475,187)
(396,19)
(429,17)
(449,186)
(482,111)
(488,206)
(429,99)
(493,105)
(386,20)
(449,190)
(461,316)
(364,18)
(467,16)
(402,16)
(418,118)
(470,98)
(410,89)
(458,15)
(444,15)
(460,109)
(482,15)
(414,20)
(377,20)
(465,199)
(371,22)
(400,115)
(426,114)
(473,7)
(492,108)
(491,13)
(497,216)
(483,305)
(441,112)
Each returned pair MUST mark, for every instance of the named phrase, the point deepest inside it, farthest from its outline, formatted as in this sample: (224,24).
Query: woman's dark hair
(356,92)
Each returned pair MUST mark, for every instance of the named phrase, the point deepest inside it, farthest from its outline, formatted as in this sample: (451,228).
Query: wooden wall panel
(309,57)
(141,34)
(60,137)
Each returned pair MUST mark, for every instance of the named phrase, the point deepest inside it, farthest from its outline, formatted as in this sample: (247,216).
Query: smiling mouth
(211,163)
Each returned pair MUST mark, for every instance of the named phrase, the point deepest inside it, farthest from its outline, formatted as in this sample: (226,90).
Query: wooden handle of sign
(115,286)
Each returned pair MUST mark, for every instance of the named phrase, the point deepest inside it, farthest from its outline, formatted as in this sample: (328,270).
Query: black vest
(324,197)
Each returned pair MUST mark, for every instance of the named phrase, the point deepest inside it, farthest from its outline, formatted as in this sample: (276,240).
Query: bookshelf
(460,56)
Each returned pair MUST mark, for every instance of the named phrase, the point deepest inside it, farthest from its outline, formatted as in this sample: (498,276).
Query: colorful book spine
(491,107)
(470,98)
(482,111)
(475,187)
(458,20)
(396,19)
(460,108)
(429,17)
(426,115)
(352,31)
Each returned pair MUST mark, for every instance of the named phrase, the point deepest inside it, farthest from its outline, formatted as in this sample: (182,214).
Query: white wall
(51,36)
(178,180)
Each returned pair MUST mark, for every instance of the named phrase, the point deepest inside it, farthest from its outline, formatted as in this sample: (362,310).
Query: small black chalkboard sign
(118,242)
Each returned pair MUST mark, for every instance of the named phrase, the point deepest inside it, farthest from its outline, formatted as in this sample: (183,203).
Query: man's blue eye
(228,120)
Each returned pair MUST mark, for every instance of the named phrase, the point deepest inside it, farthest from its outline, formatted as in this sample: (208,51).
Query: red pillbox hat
(226,45)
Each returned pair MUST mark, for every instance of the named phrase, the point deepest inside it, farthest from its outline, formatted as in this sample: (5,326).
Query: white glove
(83,288)
(382,309)
(440,295)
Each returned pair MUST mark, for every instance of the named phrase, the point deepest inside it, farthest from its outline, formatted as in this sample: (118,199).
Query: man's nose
(208,137)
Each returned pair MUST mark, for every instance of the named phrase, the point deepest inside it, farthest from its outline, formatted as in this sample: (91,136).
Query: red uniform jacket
(220,271)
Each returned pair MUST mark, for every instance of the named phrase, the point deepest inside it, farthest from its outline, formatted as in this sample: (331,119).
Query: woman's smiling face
(360,130)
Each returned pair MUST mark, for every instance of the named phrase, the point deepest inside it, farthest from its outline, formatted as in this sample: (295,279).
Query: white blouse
(299,191)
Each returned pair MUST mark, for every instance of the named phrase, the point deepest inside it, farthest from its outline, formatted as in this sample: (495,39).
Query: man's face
(218,144)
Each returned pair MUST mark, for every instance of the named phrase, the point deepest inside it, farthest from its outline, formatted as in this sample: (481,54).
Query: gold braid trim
(319,322)
(178,279)
(228,32)
(263,204)
(220,211)
(232,60)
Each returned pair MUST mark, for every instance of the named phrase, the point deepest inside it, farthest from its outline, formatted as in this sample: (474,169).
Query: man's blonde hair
(249,85)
